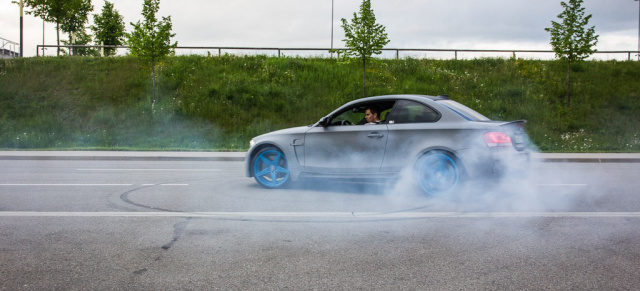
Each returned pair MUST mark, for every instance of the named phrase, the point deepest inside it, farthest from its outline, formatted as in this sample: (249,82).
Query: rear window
(464,111)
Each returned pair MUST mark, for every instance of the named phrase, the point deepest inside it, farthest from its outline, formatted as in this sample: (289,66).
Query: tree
(50,11)
(108,28)
(69,15)
(151,39)
(76,15)
(364,37)
(570,40)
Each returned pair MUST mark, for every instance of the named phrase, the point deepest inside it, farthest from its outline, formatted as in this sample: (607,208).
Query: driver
(371,114)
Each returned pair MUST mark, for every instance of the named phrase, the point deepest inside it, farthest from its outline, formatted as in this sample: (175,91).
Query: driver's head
(371,114)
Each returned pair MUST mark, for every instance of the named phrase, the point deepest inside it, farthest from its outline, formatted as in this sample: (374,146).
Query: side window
(348,117)
(407,111)
(355,115)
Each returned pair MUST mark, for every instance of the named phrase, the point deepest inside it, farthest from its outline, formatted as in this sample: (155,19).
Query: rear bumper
(495,163)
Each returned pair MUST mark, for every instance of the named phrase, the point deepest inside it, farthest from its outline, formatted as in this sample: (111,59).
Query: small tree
(570,40)
(69,15)
(364,37)
(108,28)
(151,39)
(50,11)
(76,15)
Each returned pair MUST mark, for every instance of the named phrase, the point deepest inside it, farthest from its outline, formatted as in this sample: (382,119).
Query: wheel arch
(255,150)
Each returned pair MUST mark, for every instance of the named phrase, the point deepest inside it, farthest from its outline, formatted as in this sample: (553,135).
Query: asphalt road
(189,224)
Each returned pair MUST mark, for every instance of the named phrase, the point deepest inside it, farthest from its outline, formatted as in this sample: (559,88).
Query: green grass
(219,103)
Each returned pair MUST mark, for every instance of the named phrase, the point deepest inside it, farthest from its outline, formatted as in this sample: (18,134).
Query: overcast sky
(442,24)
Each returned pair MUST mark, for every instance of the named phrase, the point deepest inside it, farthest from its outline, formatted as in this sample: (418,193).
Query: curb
(142,159)
(587,160)
(120,156)
(587,157)
(240,156)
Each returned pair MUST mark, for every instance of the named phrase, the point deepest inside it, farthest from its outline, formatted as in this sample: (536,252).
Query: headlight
(252,143)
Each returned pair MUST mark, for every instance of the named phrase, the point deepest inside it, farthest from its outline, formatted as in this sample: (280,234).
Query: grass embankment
(219,103)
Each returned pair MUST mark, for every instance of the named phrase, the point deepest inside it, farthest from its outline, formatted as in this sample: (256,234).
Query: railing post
(397,54)
(219,52)
(456,55)
(278,52)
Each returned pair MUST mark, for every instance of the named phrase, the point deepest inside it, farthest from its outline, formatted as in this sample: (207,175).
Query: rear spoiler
(521,121)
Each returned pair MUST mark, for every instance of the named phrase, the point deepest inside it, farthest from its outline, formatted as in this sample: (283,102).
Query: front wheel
(270,168)
(437,173)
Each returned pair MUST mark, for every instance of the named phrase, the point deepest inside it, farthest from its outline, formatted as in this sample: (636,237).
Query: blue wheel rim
(438,173)
(271,169)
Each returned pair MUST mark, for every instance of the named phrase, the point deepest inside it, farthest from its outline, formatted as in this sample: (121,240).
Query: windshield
(464,111)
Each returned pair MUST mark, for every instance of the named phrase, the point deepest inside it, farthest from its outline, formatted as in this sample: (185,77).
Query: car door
(345,148)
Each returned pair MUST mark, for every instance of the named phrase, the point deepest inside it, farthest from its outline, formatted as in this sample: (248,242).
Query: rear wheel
(437,173)
(270,168)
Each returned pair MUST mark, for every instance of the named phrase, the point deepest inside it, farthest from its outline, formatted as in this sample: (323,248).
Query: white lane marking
(66,184)
(168,184)
(576,185)
(354,215)
(155,170)
(46,185)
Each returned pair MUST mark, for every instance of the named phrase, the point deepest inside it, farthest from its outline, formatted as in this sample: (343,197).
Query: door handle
(297,142)
(375,134)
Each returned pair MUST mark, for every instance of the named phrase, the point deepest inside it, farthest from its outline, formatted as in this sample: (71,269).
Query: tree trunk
(568,83)
(73,42)
(72,50)
(58,36)
(364,78)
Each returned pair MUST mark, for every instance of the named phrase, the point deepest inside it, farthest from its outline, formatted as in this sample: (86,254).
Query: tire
(437,173)
(270,168)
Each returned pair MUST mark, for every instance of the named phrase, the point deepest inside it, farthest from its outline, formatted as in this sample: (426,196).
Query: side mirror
(324,122)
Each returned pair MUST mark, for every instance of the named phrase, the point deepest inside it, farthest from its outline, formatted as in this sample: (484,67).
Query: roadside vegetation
(219,103)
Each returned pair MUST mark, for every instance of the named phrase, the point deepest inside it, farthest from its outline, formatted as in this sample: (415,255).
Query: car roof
(399,96)
(404,96)
(434,98)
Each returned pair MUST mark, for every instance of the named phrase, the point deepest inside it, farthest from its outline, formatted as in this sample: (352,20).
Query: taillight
(497,139)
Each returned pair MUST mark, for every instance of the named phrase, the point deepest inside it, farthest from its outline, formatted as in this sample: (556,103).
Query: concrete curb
(121,156)
(239,156)
(587,157)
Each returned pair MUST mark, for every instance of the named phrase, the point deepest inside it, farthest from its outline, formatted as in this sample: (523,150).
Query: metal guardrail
(339,50)
(8,48)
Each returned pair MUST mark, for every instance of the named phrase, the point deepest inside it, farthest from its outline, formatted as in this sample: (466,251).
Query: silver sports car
(440,141)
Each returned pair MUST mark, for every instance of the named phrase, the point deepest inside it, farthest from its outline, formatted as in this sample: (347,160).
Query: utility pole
(21,29)
(638,30)
(332,24)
